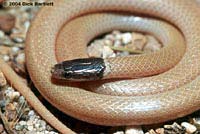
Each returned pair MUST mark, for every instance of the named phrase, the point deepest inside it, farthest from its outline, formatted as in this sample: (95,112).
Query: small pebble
(29,123)
(21,59)
(35,121)
(14,95)
(2,34)
(37,125)
(119,132)
(43,123)
(134,130)
(15,50)
(117,43)
(22,123)
(31,132)
(189,127)
(7,22)
(31,113)
(152,44)
(151,132)
(6,41)
(27,24)
(30,128)
(124,53)
(126,38)
(95,49)
(139,41)
(108,52)
(160,130)
(10,107)
(108,42)
(6,58)
(131,46)
(19,127)
(3,81)
(118,37)
(116,32)
(110,37)
(4,50)
(18,40)
(52,132)
(21,99)
(1,128)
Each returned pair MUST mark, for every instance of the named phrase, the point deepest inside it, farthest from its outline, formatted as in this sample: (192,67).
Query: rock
(37,125)
(10,107)
(35,121)
(119,132)
(6,58)
(189,127)
(6,41)
(138,41)
(7,22)
(31,113)
(18,127)
(31,132)
(11,94)
(131,46)
(20,59)
(117,43)
(108,42)
(110,37)
(43,123)
(1,128)
(22,123)
(49,128)
(19,64)
(95,49)
(15,50)
(151,132)
(174,128)
(8,91)
(108,52)
(126,38)
(18,39)
(134,130)
(2,34)
(124,53)
(21,99)
(196,120)
(46,132)
(3,81)
(116,32)
(118,36)
(51,132)
(152,44)
(160,131)
(27,25)
(4,50)
(30,128)
(29,123)
(14,95)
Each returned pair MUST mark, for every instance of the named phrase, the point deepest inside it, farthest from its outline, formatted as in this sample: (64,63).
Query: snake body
(120,67)
(170,95)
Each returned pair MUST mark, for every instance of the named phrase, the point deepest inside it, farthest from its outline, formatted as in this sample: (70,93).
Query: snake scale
(153,99)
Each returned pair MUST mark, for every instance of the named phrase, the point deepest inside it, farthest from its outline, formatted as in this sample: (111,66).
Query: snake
(169,92)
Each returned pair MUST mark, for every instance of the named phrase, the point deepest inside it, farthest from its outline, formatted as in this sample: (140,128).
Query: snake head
(79,69)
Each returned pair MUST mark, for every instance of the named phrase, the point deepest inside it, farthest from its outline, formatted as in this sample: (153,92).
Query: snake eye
(67,74)
(57,71)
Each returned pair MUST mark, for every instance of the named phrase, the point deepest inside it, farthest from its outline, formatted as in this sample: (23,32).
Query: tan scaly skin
(172,94)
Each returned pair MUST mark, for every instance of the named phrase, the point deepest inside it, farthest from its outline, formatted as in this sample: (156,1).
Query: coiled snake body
(166,96)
